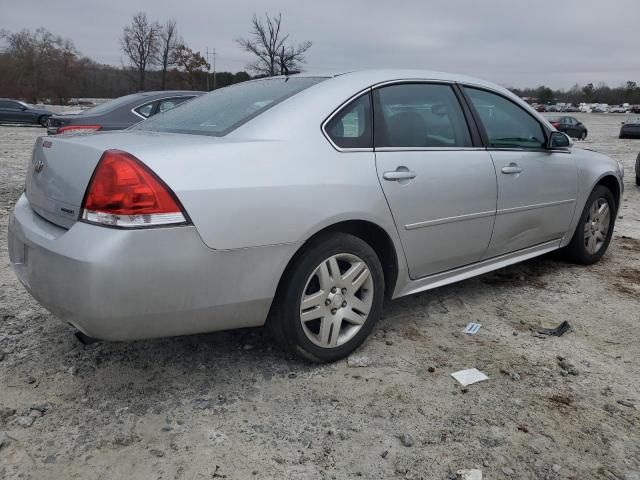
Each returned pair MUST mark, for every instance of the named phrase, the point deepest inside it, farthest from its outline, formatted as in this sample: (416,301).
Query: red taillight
(555,124)
(124,192)
(79,128)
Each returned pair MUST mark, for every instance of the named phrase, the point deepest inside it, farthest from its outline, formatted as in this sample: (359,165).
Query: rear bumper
(118,284)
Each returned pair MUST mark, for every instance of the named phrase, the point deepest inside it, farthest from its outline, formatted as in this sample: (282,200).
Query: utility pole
(209,67)
(207,54)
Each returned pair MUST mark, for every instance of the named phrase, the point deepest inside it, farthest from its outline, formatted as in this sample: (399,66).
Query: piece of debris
(556,468)
(25,421)
(431,369)
(560,330)
(157,453)
(469,376)
(384,454)
(515,376)
(406,439)
(508,471)
(625,403)
(358,361)
(611,408)
(472,328)
(567,366)
(469,474)
(562,399)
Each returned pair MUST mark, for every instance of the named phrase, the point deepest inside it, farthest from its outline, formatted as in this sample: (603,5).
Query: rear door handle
(399,175)
(511,169)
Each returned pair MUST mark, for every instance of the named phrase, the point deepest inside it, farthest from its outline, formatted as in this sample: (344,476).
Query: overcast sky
(557,43)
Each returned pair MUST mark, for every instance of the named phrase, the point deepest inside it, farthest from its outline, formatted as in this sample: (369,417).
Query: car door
(537,187)
(441,188)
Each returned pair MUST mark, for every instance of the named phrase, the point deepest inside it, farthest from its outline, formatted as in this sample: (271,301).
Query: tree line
(41,66)
(589,93)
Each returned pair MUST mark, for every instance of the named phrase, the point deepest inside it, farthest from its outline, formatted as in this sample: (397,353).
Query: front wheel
(42,121)
(330,298)
(595,228)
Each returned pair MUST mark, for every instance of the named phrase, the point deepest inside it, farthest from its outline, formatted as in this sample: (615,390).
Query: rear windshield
(111,105)
(221,111)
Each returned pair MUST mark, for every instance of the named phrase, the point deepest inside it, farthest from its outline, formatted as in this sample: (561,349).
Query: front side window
(507,125)
(351,127)
(10,105)
(420,116)
(221,111)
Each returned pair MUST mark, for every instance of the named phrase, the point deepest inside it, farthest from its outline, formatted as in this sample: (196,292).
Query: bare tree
(193,64)
(139,42)
(274,56)
(169,42)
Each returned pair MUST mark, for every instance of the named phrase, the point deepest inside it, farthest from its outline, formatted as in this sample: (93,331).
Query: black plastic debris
(560,330)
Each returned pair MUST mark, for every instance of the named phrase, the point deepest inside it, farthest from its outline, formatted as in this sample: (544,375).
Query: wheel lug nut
(344,290)
(344,304)
(334,290)
(333,311)
(327,302)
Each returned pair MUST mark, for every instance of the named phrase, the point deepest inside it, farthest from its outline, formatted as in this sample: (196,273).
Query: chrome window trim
(429,149)
(336,112)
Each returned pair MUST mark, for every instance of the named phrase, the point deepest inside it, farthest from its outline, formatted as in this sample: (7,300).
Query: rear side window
(145,110)
(507,125)
(351,127)
(419,115)
(221,111)
(170,103)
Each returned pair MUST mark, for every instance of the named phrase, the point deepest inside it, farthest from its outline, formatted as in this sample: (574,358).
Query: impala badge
(38,166)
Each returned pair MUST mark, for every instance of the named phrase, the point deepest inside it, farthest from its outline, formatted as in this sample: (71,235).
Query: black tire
(583,135)
(577,251)
(42,120)
(638,170)
(284,319)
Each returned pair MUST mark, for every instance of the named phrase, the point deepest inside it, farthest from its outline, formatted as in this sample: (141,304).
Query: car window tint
(419,115)
(10,105)
(507,125)
(145,110)
(351,127)
(222,111)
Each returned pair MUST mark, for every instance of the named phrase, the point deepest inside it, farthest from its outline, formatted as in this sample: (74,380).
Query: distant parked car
(619,109)
(599,109)
(120,113)
(635,109)
(630,128)
(14,111)
(569,125)
(539,108)
(571,109)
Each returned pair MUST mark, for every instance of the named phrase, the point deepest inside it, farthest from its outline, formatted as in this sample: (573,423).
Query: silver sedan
(302,202)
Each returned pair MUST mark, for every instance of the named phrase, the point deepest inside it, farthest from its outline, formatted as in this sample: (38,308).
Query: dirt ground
(231,405)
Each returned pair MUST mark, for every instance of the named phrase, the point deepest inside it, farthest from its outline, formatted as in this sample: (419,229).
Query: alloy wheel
(336,300)
(596,227)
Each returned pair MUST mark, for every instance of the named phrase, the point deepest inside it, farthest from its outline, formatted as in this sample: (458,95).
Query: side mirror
(558,141)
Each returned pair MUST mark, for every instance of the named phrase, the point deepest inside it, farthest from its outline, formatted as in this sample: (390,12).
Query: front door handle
(511,169)
(401,173)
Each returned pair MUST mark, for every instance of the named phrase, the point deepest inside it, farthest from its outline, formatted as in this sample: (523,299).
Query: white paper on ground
(469,474)
(467,377)
(472,328)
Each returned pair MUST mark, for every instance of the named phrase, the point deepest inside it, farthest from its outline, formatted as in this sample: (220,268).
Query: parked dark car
(630,128)
(120,113)
(569,125)
(14,111)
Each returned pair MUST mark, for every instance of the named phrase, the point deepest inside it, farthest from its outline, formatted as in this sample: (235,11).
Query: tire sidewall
(578,240)
(316,253)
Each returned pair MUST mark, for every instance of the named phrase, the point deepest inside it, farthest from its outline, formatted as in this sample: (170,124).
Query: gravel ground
(231,405)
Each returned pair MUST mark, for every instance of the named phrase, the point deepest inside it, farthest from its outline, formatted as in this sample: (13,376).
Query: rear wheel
(638,170)
(595,228)
(42,120)
(583,135)
(330,298)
